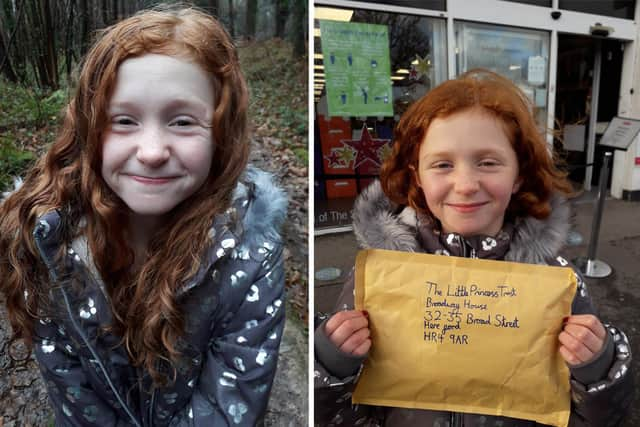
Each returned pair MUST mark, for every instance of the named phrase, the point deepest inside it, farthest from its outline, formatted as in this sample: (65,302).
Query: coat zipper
(456,420)
(151,405)
(38,236)
(463,245)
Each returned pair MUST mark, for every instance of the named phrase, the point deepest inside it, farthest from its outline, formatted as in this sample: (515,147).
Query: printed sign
(464,335)
(620,133)
(357,68)
(536,70)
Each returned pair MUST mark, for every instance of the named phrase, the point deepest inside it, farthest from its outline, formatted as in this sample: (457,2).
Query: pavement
(617,297)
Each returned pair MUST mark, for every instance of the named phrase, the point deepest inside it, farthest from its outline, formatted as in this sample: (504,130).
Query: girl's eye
(489,163)
(442,165)
(122,121)
(182,122)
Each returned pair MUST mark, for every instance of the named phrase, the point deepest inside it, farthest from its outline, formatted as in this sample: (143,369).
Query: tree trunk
(282,12)
(232,29)
(69,40)
(115,16)
(50,58)
(5,61)
(6,67)
(33,21)
(214,7)
(252,9)
(86,25)
(298,25)
(105,15)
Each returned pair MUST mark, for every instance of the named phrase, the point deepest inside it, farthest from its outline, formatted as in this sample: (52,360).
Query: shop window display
(350,148)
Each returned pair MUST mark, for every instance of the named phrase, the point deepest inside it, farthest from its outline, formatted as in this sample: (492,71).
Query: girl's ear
(415,174)
(517,185)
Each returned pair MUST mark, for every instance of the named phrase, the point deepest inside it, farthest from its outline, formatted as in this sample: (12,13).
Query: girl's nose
(466,182)
(153,148)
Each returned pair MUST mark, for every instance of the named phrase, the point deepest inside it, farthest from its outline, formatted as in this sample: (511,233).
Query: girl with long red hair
(471,175)
(141,259)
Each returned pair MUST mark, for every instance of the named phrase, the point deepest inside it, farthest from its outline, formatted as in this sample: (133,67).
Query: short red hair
(499,97)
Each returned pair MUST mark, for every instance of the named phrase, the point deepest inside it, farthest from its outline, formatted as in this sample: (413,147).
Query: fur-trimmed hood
(267,205)
(379,223)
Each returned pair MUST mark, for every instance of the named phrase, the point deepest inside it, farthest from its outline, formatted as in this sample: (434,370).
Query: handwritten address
(448,308)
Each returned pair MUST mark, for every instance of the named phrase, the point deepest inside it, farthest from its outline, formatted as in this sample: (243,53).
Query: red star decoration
(367,148)
(333,159)
(413,73)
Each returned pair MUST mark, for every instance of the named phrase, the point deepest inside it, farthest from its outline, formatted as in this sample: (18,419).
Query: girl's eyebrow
(122,105)
(478,153)
(196,106)
(437,155)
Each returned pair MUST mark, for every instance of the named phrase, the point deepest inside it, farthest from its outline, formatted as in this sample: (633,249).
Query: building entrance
(586,66)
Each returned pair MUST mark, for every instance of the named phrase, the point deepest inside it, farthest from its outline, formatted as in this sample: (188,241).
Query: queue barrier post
(595,268)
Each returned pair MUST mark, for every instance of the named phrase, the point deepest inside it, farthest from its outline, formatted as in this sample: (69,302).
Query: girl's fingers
(585,336)
(589,321)
(339,318)
(363,348)
(347,328)
(568,357)
(355,340)
(578,350)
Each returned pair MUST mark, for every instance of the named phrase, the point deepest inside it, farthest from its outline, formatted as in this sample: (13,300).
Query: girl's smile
(468,171)
(151,180)
(467,207)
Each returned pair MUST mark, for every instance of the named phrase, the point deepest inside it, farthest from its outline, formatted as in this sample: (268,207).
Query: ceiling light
(332,14)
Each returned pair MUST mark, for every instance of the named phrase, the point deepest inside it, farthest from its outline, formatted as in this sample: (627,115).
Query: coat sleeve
(234,386)
(336,373)
(602,389)
(68,381)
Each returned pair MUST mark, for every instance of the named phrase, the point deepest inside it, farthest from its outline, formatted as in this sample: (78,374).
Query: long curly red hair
(499,97)
(68,177)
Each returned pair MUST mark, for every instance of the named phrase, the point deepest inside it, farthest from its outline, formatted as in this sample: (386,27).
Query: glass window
(521,55)
(350,148)
(617,8)
(544,3)
(420,4)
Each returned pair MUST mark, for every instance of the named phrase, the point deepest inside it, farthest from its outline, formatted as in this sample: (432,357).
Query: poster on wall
(357,68)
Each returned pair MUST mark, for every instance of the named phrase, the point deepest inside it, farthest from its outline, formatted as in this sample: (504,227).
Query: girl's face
(158,147)
(468,171)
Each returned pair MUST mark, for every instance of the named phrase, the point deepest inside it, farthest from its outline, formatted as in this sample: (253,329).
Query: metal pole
(593,115)
(596,268)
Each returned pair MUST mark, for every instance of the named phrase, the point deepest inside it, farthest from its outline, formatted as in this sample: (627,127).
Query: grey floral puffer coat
(601,390)
(234,317)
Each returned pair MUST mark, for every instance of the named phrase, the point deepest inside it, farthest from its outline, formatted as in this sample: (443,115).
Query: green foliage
(28,123)
(24,107)
(13,162)
(302,153)
(294,119)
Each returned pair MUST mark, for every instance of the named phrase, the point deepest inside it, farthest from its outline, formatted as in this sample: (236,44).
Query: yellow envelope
(464,335)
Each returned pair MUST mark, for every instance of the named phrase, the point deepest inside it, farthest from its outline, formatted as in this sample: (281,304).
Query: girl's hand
(581,338)
(349,331)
